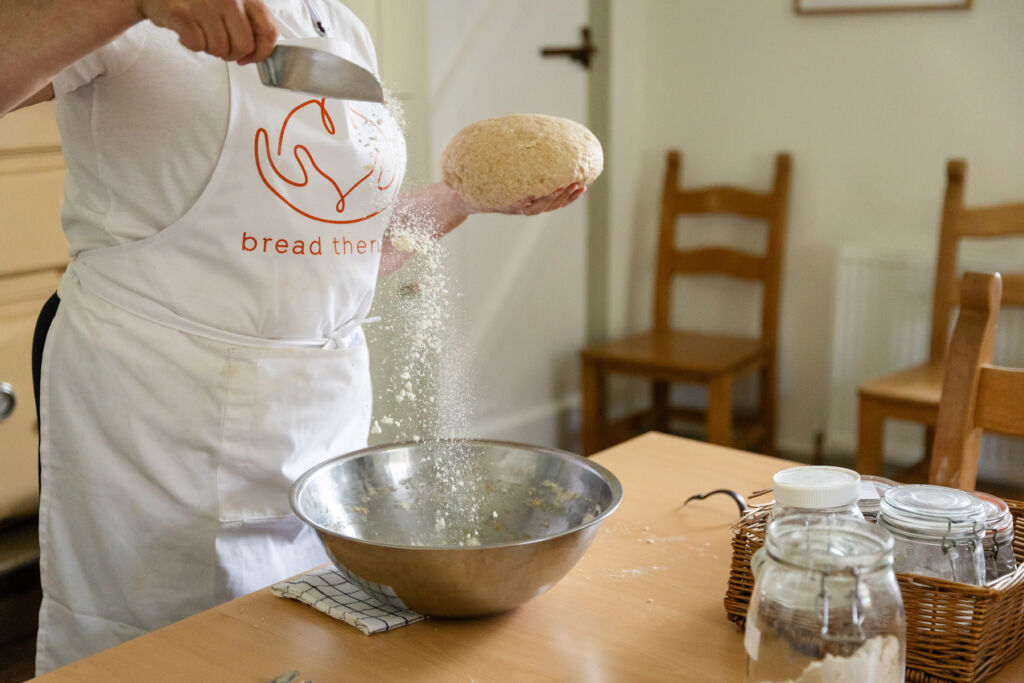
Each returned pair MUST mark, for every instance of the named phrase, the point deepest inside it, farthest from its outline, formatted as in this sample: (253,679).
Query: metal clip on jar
(938,532)
(998,542)
(826,605)
(819,490)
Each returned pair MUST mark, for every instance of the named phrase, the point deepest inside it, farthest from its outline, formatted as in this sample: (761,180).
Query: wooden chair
(976,395)
(665,355)
(913,394)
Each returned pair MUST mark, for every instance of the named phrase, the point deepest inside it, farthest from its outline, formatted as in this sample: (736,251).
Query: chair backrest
(976,395)
(959,222)
(771,207)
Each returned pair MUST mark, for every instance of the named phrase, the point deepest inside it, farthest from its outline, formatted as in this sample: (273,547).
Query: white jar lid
(816,487)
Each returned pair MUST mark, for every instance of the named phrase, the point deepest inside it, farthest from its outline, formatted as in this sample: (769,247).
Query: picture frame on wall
(852,6)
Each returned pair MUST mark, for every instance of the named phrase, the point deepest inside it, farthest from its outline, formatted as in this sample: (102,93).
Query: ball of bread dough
(497,162)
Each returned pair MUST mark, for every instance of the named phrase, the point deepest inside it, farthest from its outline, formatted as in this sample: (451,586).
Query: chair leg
(870,432)
(929,443)
(767,408)
(659,406)
(592,410)
(720,410)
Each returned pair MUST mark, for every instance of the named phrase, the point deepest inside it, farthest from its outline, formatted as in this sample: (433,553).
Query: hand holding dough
(497,163)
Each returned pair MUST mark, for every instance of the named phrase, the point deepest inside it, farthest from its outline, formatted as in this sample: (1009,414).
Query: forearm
(39,38)
(431,211)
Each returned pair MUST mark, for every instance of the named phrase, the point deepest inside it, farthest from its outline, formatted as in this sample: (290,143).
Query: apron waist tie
(347,336)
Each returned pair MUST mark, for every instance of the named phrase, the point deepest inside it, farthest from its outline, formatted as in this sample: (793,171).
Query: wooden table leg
(592,409)
(870,432)
(720,410)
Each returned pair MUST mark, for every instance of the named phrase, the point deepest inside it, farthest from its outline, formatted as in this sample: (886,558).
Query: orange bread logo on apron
(329,194)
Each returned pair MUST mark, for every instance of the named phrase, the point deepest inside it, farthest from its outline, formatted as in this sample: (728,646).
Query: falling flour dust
(423,393)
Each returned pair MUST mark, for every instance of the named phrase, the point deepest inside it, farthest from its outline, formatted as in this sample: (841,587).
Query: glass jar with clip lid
(998,541)
(938,532)
(826,605)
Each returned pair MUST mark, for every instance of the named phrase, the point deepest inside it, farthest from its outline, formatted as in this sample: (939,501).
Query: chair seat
(682,353)
(920,385)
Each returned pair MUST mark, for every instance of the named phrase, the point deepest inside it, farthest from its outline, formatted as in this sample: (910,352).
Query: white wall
(870,106)
(518,282)
(509,368)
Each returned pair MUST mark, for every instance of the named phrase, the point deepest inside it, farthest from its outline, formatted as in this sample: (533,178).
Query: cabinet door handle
(7,400)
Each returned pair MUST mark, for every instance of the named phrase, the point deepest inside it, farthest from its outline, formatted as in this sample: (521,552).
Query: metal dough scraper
(318,72)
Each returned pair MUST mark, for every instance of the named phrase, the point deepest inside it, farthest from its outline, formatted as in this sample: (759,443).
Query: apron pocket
(286,410)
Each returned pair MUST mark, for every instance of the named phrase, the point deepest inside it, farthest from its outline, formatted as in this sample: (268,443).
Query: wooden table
(644,603)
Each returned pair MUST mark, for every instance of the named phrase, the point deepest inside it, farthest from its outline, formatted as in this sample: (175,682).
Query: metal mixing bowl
(456,528)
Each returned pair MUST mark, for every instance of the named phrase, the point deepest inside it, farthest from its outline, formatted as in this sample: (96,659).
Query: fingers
(574,195)
(556,200)
(264,32)
(234,30)
(217,42)
(544,203)
(241,40)
(518,208)
(190,33)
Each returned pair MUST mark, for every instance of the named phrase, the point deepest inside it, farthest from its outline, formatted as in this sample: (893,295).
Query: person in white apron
(190,376)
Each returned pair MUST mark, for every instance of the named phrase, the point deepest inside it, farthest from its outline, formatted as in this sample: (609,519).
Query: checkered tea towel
(333,594)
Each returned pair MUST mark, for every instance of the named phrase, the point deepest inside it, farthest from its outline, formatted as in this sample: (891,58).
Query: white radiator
(881,324)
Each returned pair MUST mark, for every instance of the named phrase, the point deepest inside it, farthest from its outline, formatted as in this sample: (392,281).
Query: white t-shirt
(142,121)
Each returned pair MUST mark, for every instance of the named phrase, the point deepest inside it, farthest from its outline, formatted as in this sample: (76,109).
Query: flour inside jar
(879,660)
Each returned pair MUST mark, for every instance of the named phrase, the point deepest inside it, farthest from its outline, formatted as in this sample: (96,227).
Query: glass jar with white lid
(998,542)
(812,489)
(826,605)
(938,532)
(818,490)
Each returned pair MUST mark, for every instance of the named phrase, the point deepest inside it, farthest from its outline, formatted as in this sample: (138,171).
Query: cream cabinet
(33,254)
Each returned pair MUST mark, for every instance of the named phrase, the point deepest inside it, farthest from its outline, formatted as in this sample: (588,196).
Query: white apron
(190,377)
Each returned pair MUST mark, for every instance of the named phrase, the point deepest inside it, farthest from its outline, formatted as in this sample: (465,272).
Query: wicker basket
(955,632)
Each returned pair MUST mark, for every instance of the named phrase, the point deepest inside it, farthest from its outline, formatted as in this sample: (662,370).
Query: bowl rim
(613,483)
